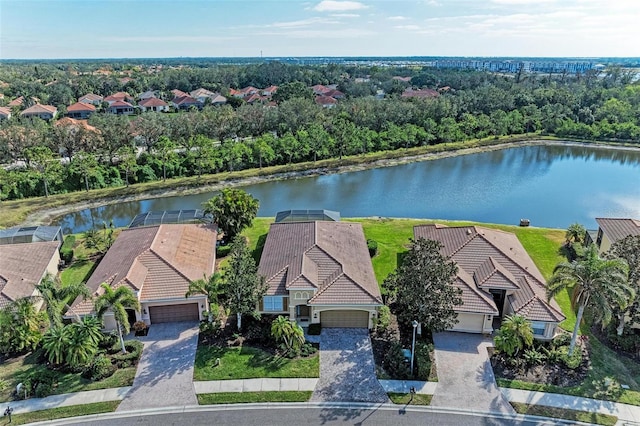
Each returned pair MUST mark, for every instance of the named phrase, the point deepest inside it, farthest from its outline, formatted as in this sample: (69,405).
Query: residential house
(319,272)
(326,101)
(119,96)
(611,230)
(186,102)
(334,93)
(80,110)
(420,93)
(147,95)
(248,91)
(45,112)
(269,91)
(31,234)
(319,89)
(496,277)
(120,108)
(236,93)
(157,263)
(153,104)
(203,94)
(403,79)
(178,93)
(22,268)
(5,113)
(17,102)
(91,98)
(255,98)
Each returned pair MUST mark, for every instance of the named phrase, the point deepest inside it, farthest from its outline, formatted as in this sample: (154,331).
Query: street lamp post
(414,323)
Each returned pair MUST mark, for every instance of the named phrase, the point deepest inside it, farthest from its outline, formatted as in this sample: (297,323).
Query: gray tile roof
(617,229)
(495,259)
(330,257)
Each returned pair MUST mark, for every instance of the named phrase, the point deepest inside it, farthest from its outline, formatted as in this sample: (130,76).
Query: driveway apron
(347,370)
(165,372)
(465,376)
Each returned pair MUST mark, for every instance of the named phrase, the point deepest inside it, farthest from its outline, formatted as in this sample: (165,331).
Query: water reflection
(551,185)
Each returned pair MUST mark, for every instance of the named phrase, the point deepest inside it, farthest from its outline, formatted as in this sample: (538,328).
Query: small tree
(628,249)
(211,287)
(574,240)
(287,332)
(56,297)
(422,289)
(514,335)
(117,301)
(233,210)
(244,287)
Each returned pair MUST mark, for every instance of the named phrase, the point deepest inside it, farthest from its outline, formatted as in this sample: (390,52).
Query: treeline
(115,150)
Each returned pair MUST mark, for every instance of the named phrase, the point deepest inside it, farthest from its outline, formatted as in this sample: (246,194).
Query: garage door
(469,323)
(342,319)
(174,313)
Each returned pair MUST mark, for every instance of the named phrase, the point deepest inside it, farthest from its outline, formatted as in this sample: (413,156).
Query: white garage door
(469,323)
(344,319)
(174,313)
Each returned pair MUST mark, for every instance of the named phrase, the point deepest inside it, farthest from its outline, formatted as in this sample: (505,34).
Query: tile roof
(179,93)
(90,97)
(330,257)
(157,261)
(22,266)
(495,259)
(152,102)
(40,109)
(202,92)
(616,229)
(68,121)
(325,100)
(5,111)
(17,101)
(79,106)
(120,104)
(182,100)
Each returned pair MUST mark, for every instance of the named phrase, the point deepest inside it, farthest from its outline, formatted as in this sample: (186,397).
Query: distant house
(120,108)
(334,93)
(5,113)
(236,93)
(420,93)
(91,98)
(319,272)
(178,93)
(17,102)
(496,277)
(611,230)
(326,101)
(153,104)
(269,91)
(249,90)
(80,110)
(22,268)
(45,112)
(157,263)
(255,98)
(403,79)
(186,102)
(147,95)
(119,96)
(319,89)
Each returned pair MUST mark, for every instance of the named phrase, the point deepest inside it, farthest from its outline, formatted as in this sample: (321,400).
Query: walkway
(465,376)
(255,385)
(165,370)
(347,370)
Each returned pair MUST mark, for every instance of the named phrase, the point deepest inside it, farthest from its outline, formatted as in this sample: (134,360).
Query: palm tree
(515,334)
(84,337)
(55,343)
(117,301)
(211,287)
(596,282)
(290,333)
(56,297)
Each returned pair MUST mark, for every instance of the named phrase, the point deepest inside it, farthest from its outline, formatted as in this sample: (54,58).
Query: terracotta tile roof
(249,90)
(90,98)
(152,102)
(496,257)
(79,106)
(616,229)
(185,100)
(325,100)
(179,93)
(336,94)
(121,104)
(5,111)
(319,89)
(271,89)
(40,109)
(473,299)
(158,261)
(202,92)
(330,257)
(17,101)
(68,121)
(22,266)
(253,98)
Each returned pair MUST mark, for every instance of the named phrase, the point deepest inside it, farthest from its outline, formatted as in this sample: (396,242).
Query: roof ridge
(465,242)
(151,250)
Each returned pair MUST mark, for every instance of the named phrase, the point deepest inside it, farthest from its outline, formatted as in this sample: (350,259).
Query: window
(273,303)
(538,328)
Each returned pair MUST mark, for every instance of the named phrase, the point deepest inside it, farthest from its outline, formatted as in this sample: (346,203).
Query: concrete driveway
(465,376)
(165,371)
(347,369)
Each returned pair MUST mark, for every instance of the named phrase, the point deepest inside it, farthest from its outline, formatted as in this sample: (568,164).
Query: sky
(55,29)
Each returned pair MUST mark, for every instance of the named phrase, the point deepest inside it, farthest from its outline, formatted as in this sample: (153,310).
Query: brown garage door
(343,319)
(174,313)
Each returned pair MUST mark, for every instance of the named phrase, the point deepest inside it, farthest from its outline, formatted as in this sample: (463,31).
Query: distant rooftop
(169,216)
(307,216)
(31,234)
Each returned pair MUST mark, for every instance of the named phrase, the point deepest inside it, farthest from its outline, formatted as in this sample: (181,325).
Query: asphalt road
(307,416)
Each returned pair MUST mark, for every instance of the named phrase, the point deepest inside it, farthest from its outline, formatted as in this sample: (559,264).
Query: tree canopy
(233,210)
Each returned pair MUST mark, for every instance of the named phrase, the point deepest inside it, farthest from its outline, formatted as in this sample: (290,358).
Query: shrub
(372,245)
(423,360)
(533,357)
(66,250)
(395,363)
(308,349)
(134,350)
(223,251)
(43,389)
(140,328)
(314,329)
(109,341)
(383,320)
(574,360)
(562,339)
(209,329)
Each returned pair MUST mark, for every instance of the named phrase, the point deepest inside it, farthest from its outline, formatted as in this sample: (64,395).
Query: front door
(303,313)
(498,299)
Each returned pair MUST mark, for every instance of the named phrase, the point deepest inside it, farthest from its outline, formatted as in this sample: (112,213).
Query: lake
(552,186)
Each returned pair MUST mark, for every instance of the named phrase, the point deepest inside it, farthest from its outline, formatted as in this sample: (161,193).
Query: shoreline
(47,215)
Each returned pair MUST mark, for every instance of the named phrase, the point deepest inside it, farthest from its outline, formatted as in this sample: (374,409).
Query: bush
(372,245)
(100,368)
(109,341)
(308,349)
(574,360)
(223,251)
(43,389)
(423,360)
(134,350)
(533,357)
(562,339)
(66,250)
(395,364)
(314,329)
(383,320)
(39,383)
(140,328)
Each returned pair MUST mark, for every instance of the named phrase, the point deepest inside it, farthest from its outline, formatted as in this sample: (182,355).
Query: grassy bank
(63,412)
(561,413)
(253,397)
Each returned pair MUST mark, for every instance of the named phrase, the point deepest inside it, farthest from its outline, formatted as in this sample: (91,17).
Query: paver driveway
(165,372)
(347,370)
(465,376)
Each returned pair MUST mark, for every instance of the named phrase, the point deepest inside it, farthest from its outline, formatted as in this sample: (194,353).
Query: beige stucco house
(157,263)
(319,272)
(497,278)
(611,230)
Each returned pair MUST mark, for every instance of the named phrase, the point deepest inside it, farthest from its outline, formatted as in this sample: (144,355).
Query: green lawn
(77,272)
(253,397)
(561,413)
(15,371)
(407,399)
(62,412)
(248,363)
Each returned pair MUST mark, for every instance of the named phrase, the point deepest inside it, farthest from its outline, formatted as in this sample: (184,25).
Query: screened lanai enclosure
(170,216)
(31,234)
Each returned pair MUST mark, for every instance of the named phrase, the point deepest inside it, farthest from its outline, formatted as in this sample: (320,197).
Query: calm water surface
(552,186)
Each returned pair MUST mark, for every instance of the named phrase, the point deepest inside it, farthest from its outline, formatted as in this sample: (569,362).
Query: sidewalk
(404,386)
(255,385)
(65,400)
(624,412)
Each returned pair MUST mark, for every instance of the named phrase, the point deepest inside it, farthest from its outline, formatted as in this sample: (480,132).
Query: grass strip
(62,412)
(252,397)
(565,414)
(408,399)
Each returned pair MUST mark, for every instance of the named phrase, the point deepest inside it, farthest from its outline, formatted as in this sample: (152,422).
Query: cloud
(407,27)
(346,33)
(168,39)
(303,23)
(338,6)
(345,15)
(519,2)
(397,18)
